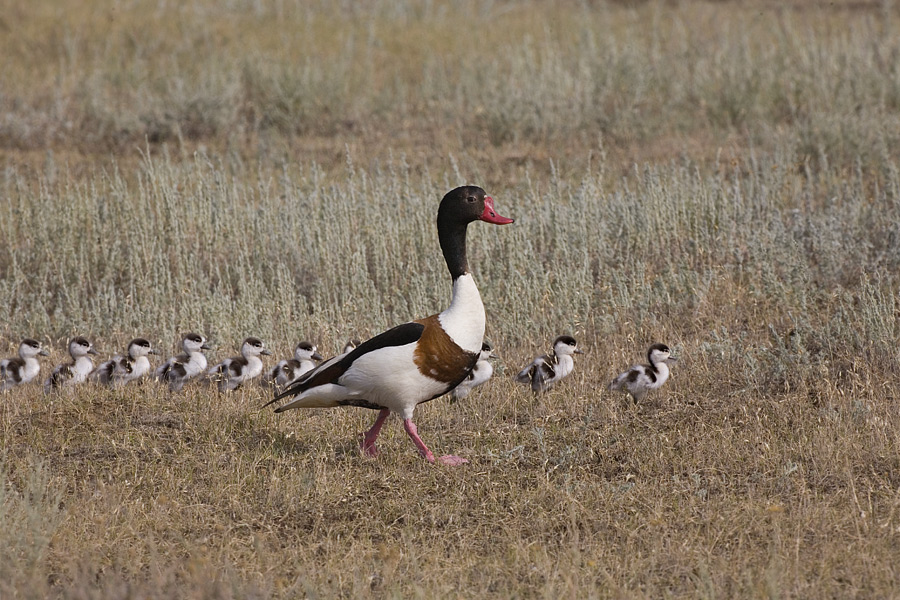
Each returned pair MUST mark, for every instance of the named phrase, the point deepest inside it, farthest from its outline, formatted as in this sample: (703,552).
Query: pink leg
(367,445)
(423,449)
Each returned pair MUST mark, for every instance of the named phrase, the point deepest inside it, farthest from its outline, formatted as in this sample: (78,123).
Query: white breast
(464,319)
(139,368)
(254,368)
(83,367)
(196,365)
(31,369)
(565,366)
(481,373)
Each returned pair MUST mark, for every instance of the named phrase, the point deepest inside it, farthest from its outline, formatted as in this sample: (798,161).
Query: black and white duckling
(639,380)
(75,372)
(120,369)
(350,346)
(24,368)
(306,356)
(180,369)
(545,371)
(232,372)
(482,371)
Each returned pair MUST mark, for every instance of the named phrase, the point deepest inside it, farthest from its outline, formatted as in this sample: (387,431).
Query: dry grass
(718,176)
(504,85)
(576,495)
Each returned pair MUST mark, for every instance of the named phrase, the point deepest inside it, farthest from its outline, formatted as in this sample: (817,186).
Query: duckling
(119,370)
(24,368)
(545,371)
(350,346)
(482,371)
(306,356)
(639,380)
(232,372)
(75,372)
(180,369)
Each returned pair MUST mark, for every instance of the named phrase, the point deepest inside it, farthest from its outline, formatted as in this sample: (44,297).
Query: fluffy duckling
(24,368)
(545,371)
(180,369)
(75,372)
(232,372)
(306,356)
(119,370)
(482,371)
(639,380)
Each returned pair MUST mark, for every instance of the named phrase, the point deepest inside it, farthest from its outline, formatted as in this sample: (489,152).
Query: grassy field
(722,177)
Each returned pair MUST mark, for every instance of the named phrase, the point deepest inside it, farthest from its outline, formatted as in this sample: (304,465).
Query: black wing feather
(13,368)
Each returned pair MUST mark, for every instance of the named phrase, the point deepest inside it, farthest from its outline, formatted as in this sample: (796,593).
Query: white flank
(227,380)
(387,377)
(195,365)
(662,375)
(139,368)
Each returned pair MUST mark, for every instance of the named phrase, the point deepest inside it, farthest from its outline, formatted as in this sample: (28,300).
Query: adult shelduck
(181,368)
(22,369)
(547,370)
(639,380)
(480,374)
(417,361)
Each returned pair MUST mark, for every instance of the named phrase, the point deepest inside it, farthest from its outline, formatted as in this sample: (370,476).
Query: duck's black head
(658,353)
(566,344)
(469,203)
(458,208)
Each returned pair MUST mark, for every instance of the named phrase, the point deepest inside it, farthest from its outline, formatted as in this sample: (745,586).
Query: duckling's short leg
(367,445)
(423,449)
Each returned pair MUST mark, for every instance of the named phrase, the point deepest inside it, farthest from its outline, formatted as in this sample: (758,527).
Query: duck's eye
(470,199)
